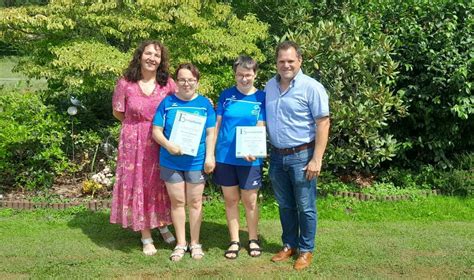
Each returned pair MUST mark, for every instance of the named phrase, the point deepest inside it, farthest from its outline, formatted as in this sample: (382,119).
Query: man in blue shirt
(297,110)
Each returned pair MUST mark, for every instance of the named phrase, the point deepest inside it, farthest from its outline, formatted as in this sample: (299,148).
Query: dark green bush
(431,45)
(434,48)
(358,77)
(31,138)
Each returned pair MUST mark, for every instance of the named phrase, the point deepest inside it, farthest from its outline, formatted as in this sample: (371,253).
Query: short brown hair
(288,45)
(246,62)
(189,66)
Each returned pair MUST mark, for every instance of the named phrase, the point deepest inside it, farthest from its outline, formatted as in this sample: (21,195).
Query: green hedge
(31,138)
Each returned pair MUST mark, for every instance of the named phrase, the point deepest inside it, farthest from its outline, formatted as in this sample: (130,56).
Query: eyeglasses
(190,82)
(246,76)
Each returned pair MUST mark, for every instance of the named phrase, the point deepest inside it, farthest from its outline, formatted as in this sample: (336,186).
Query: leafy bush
(434,48)
(381,190)
(454,181)
(31,138)
(430,43)
(358,77)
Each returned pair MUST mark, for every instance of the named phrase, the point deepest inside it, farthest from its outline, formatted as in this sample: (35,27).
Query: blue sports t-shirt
(237,109)
(164,117)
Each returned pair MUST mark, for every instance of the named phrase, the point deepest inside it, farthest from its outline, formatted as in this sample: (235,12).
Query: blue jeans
(296,198)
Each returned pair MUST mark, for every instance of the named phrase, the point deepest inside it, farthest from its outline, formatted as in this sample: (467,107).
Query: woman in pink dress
(140,200)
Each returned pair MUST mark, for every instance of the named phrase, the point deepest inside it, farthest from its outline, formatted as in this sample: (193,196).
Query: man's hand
(313,169)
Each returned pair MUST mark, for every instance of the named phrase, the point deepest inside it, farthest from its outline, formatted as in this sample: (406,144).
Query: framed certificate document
(250,140)
(187,132)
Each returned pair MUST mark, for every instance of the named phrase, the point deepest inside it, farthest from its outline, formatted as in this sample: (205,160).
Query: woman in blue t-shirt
(240,178)
(184,167)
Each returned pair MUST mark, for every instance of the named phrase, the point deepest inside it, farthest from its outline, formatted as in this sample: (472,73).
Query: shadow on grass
(216,235)
(104,234)
(97,227)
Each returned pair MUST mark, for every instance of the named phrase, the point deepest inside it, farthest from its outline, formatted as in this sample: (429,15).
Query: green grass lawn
(9,79)
(424,238)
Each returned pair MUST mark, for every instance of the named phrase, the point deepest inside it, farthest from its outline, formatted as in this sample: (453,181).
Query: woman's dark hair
(245,62)
(189,66)
(133,73)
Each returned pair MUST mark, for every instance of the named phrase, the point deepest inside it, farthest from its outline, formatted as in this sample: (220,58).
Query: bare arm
(161,139)
(218,126)
(313,168)
(210,162)
(118,115)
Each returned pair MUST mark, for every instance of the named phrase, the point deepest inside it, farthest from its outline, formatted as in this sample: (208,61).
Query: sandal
(196,251)
(255,250)
(149,251)
(178,252)
(235,252)
(167,235)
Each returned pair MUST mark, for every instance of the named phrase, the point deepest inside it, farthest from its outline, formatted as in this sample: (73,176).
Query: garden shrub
(434,48)
(454,181)
(457,182)
(31,138)
(358,77)
(431,44)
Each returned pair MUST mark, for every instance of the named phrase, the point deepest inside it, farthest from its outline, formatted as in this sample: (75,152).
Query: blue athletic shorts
(246,177)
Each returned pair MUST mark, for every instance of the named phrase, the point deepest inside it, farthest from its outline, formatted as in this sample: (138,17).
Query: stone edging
(25,204)
(95,205)
(362,196)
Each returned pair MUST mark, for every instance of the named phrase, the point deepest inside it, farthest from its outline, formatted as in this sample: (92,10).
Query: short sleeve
(220,104)
(211,115)
(119,97)
(318,101)
(158,119)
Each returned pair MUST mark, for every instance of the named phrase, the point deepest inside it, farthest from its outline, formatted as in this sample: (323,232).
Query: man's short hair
(287,45)
(246,62)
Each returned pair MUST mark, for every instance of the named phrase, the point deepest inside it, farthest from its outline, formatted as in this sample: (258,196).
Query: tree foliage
(83,46)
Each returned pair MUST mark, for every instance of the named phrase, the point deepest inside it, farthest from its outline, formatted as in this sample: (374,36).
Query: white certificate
(250,140)
(187,132)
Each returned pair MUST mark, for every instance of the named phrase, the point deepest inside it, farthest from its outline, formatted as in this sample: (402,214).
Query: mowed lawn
(427,238)
(12,80)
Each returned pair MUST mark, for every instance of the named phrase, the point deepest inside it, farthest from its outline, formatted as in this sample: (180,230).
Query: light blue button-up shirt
(291,114)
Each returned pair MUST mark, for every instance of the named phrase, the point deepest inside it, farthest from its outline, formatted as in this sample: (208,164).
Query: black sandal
(235,252)
(251,250)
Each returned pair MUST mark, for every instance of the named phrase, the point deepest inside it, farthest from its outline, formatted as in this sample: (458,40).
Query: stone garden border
(95,205)
(365,197)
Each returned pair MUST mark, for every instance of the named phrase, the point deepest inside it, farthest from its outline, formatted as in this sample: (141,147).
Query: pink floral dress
(140,200)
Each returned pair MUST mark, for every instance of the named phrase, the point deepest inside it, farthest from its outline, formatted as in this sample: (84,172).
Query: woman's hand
(209,165)
(250,158)
(173,149)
